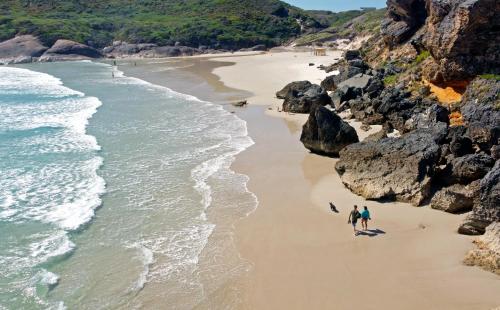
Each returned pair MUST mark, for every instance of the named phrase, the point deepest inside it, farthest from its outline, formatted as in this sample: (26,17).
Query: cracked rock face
(462,36)
(487,210)
(392,168)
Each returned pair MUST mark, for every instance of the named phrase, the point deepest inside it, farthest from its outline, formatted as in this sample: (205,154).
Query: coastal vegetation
(347,24)
(226,24)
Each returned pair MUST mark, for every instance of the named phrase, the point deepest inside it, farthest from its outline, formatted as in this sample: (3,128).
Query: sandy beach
(304,256)
(301,254)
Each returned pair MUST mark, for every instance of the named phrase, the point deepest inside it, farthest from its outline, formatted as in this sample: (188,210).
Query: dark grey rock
(487,210)
(299,86)
(481,113)
(470,167)
(352,54)
(392,168)
(303,102)
(328,83)
(326,133)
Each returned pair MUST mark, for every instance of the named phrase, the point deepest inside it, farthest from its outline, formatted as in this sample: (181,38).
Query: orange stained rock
(446,94)
(456,119)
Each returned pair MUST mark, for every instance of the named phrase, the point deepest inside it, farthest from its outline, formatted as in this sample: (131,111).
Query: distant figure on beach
(353,218)
(114,62)
(365,216)
(112,74)
(333,208)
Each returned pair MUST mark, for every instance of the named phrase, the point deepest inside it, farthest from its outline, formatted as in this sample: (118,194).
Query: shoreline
(303,255)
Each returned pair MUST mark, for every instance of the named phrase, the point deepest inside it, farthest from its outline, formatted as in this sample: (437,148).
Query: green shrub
(390,80)
(490,76)
(191,22)
(422,56)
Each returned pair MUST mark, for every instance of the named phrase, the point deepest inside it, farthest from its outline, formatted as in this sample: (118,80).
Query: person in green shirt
(365,216)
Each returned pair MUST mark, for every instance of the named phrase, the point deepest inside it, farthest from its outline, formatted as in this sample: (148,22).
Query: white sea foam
(176,252)
(24,81)
(48,172)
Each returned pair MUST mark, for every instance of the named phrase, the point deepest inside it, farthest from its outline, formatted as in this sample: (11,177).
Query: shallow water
(134,209)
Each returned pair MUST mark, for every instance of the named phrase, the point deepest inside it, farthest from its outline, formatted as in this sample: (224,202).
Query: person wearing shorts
(365,216)
(353,218)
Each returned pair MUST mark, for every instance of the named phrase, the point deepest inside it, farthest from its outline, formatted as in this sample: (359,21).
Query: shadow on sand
(371,232)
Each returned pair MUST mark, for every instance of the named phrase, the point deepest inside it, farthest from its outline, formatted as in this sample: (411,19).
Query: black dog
(334,208)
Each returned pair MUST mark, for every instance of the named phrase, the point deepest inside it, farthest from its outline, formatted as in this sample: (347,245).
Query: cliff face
(463,36)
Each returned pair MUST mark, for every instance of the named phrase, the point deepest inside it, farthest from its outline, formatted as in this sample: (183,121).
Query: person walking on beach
(365,216)
(353,218)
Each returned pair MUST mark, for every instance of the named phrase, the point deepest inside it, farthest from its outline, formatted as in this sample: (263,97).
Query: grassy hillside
(215,23)
(345,25)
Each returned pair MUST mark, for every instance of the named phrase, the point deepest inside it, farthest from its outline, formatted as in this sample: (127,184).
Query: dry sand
(306,257)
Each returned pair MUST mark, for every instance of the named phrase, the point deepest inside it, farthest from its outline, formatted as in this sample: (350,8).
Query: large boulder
(456,198)
(326,133)
(481,112)
(120,48)
(392,168)
(348,69)
(21,47)
(303,102)
(462,36)
(470,167)
(298,86)
(360,81)
(69,50)
(487,210)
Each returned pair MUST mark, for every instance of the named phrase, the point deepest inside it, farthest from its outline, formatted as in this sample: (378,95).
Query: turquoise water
(115,193)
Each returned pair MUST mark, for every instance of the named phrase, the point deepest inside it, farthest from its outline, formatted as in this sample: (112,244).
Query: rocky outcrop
(404,18)
(392,168)
(298,86)
(481,112)
(120,48)
(428,118)
(175,51)
(69,50)
(326,133)
(300,101)
(461,35)
(456,198)
(487,252)
(470,167)
(487,210)
(21,49)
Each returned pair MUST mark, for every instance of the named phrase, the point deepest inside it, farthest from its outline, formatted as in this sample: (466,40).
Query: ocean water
(116,193)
